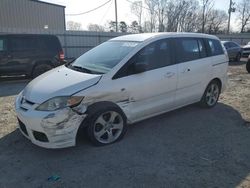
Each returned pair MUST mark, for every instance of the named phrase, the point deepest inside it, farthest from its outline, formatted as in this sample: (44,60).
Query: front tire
(211,95)
(106,126)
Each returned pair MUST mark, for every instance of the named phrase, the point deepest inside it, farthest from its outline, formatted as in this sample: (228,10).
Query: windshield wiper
(81,69)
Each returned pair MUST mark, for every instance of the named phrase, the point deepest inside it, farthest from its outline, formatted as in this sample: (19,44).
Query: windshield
(104,57)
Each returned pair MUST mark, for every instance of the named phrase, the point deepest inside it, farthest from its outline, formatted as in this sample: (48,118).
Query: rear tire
(211,95)
(248,66)
(40,69)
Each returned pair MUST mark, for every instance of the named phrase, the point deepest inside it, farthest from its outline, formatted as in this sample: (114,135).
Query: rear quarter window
(48,43)
(53,43)
(215,47)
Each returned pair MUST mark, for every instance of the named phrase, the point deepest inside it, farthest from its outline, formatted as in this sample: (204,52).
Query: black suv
(30,55)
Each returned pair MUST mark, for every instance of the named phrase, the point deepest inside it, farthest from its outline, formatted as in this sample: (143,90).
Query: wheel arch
(218,80)
(91,110)
(95,107)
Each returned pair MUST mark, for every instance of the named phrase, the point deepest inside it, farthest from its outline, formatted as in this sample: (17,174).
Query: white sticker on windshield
(129,44)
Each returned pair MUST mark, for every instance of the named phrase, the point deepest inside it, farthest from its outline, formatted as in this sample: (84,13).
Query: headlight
(59,102)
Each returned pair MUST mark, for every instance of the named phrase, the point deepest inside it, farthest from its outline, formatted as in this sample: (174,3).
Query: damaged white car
(121,81)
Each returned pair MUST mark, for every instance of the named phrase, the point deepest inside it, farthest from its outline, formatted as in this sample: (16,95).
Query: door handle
(186,70)
(169,74)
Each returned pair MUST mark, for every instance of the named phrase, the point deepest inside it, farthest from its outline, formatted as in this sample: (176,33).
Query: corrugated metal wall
(74,43)
(78,42)
(31,15)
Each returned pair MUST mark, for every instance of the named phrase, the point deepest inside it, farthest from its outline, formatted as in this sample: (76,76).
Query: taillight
(61,55)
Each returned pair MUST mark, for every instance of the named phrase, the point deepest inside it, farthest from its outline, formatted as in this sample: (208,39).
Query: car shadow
(12,85)
(233,63)
(189,147)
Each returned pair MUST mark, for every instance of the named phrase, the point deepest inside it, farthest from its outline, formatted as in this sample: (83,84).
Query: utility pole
(116,21)
(230,10)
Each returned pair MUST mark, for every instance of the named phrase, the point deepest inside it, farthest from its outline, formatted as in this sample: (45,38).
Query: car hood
(247,46)
(60,81)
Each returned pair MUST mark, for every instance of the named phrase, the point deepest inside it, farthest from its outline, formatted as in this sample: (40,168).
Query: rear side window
(188,49)
(22,43)
(202,48)
(215,47)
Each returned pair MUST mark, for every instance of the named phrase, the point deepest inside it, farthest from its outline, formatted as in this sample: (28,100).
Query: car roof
(145,36)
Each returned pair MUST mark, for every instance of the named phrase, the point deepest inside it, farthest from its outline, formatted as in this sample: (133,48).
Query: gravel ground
(189,147)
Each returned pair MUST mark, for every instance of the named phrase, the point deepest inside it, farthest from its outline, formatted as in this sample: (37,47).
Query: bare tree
(188,20)
(207,6)
(136,9)
(243,10)
(176,12)
(216,22)
(146,27)
(71,25)
(161,6)
(151,6)
(96,27)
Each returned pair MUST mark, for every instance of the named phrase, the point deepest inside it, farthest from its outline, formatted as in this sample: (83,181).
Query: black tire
(215,94)
(248,66)
(40,69)
(94,127)
(237,58)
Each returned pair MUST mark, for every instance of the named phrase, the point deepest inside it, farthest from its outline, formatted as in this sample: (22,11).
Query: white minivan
(120,82)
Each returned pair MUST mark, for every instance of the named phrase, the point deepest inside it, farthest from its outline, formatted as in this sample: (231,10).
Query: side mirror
(140,67)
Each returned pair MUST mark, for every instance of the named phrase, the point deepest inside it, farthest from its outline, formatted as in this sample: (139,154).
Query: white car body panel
(139,96)
(67,82)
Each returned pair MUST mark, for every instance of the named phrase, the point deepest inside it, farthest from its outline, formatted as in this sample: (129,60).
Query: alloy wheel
(108,127)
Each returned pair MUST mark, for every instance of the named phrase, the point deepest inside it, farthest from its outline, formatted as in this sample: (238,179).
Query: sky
(107,12)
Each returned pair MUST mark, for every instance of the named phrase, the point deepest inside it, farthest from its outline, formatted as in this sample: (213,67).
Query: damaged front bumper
(48,129)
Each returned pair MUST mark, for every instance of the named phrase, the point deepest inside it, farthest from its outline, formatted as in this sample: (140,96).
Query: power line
(106,12)
(140,6)
(89,10)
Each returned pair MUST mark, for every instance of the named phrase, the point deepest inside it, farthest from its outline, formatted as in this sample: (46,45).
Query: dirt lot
(189,147)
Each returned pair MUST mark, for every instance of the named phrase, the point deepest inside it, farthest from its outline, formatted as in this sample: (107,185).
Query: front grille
(29,102)
(40,136)
(23,127)
(24,109)
(246,49)
(25,104)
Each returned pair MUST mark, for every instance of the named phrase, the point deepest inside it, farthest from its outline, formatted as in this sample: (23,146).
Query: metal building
(31,14)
